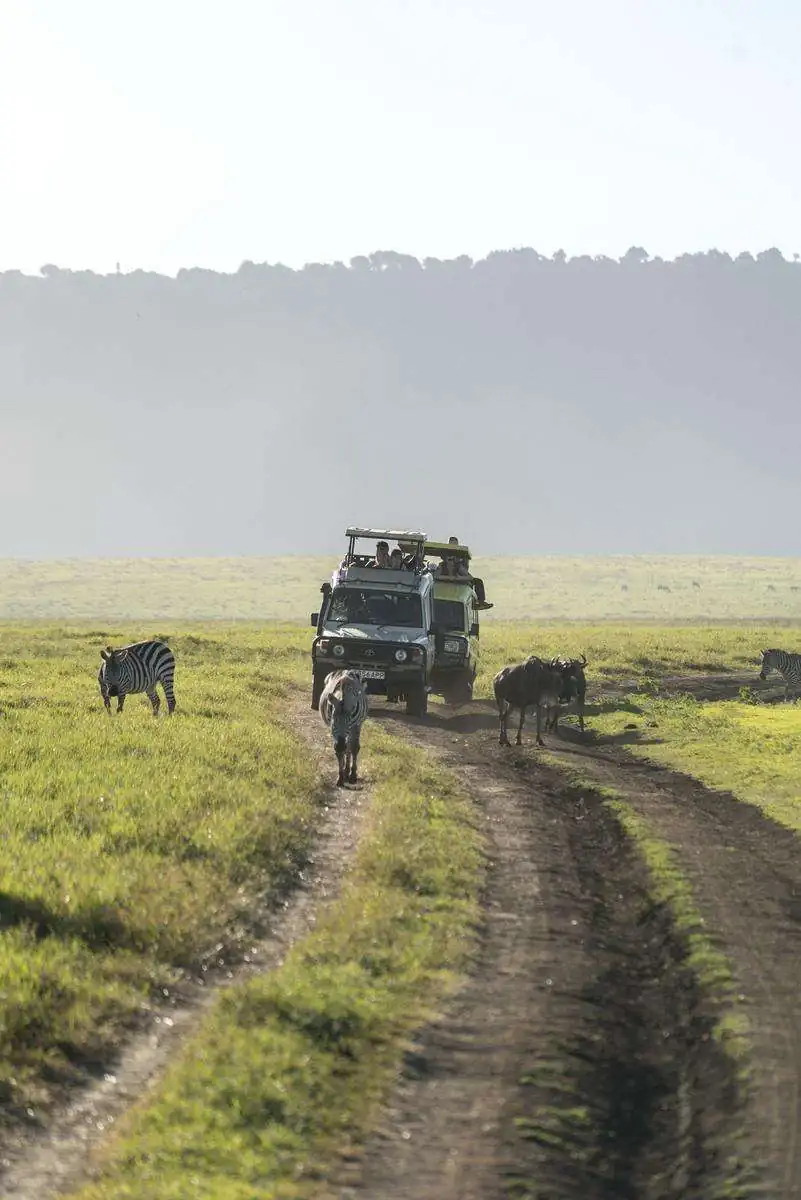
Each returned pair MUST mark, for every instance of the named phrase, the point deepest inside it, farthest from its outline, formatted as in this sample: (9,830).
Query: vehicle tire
(417,701)
(318,683)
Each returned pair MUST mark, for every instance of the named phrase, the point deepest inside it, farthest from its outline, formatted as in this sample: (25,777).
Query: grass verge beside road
(286,1073)
(128,846)
(752,750)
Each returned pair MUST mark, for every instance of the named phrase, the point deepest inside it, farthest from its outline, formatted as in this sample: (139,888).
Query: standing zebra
(343,709)
(788,666)
(135,669)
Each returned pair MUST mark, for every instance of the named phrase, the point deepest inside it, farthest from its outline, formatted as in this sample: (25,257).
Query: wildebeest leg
(581,713)
(540,742)
(340,751)
(504,709)
(355,747)
(120,701)
(519,738)
(153,697)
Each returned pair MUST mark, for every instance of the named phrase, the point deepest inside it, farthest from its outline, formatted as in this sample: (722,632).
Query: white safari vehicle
(379,619)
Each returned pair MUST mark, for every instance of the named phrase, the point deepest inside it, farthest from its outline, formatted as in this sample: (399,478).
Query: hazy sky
(186,132)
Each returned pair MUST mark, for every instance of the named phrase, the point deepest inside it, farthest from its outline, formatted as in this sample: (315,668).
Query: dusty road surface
(578,1058)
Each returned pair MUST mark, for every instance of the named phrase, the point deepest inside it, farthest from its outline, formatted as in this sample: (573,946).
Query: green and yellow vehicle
(458,598)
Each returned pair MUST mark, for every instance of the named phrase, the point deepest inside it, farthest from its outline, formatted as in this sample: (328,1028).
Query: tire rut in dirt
(612,1085)
(631,1096)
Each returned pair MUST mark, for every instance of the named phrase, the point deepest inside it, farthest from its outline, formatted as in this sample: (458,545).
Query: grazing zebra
(788,666)
(343,709)
(135,669)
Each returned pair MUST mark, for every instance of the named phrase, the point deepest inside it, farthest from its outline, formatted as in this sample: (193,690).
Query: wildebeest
(532,682)
(343,709)
(574,688)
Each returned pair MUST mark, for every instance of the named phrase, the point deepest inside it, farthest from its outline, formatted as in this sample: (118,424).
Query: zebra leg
(106,700)
(170,694)
(120,701)
(355,747)
(519,738)
(153,697)
(340,749)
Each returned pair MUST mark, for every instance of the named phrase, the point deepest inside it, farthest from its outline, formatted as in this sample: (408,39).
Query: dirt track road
(577,1060)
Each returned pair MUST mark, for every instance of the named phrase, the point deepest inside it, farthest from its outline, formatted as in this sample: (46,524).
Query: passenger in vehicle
(452,568)
(396,559)
(381,555)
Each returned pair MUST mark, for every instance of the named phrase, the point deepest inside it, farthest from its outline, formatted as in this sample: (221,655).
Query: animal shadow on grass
(98,927)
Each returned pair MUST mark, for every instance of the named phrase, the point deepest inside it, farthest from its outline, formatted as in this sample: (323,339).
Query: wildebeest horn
(584,660)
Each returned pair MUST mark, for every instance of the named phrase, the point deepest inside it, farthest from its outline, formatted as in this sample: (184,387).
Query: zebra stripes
(134,669)
(788,666)
(343,709)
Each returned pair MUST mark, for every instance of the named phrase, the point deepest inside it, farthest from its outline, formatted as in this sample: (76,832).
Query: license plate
(373,674)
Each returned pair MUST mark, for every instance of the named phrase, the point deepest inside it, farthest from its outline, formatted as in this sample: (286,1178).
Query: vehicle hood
(378,633)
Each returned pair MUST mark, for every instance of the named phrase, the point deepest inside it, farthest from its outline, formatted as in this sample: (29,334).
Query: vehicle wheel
(417,702)
(318,683)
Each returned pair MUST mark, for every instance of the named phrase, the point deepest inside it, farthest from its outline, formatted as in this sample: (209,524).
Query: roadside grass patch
(129,847)
(618,651)
(286,1073)
(752,750)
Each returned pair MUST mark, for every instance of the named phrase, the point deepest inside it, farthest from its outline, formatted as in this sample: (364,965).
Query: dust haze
(531,405)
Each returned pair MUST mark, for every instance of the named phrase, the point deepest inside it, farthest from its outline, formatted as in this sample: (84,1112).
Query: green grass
(751,750)
(617,651)
(288,1070)
(590,588)
(129,846)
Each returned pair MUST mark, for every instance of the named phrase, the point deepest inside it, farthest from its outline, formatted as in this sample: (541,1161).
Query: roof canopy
(387,535)
(446,548)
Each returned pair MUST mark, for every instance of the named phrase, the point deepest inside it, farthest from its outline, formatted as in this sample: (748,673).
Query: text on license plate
(373,674)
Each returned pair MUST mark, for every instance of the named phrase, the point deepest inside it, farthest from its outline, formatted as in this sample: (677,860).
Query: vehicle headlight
(453,646)
(339,650)
(401,656)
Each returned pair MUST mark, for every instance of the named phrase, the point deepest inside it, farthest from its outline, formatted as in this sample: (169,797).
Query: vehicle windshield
(353,606)
(449,615)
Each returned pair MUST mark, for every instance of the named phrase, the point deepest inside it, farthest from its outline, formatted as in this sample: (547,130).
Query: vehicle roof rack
(395,535)
(447,548)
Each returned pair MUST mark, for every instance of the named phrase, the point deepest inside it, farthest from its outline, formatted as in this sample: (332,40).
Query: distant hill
(529,405)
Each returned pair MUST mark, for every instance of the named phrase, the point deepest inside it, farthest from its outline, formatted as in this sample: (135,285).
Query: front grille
(381,653)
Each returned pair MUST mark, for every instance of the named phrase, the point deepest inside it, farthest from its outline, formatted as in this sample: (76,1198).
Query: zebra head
(769,662)
(111,670)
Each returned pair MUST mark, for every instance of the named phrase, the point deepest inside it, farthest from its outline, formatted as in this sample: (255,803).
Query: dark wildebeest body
(530,683)
(574,688)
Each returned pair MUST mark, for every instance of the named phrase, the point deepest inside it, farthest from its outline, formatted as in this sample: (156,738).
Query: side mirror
(315,617)
(474,629)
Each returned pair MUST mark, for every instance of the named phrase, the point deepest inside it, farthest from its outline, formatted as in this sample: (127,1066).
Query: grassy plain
(617,651)
(623,588)
(288,1070)
(753,750)
(131,846)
